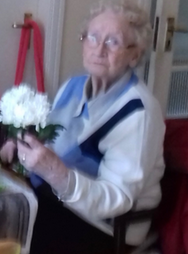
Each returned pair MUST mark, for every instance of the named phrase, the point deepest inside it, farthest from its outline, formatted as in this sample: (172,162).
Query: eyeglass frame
(105,42)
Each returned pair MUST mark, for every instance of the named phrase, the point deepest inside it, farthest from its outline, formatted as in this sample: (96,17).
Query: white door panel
(11,11)
(161,61)
(50,15)
(168,74)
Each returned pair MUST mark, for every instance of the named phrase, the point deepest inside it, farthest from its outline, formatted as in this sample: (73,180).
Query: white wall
(71,59)
(11,11)
(50,16)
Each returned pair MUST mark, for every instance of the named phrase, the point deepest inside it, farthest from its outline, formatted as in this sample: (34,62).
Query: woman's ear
(135,57)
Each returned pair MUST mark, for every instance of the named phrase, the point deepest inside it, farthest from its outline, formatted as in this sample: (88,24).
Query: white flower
(21,106)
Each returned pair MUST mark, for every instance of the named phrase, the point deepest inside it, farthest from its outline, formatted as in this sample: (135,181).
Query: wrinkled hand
(37,158)
(7,151)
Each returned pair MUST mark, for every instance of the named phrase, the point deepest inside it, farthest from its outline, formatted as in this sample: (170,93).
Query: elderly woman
(109,157)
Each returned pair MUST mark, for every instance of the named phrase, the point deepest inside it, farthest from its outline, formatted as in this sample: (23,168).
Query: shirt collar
(112,93)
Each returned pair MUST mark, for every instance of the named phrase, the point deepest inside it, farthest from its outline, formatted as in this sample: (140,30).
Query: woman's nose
(100,49)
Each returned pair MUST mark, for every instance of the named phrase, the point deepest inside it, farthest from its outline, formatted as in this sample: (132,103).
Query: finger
(22,158)
(10,156)
(23,147)
(20,138)
(10,144)
(19,135)
(3,156)
(32,141)
(7,151)
(26,160)
(20,155)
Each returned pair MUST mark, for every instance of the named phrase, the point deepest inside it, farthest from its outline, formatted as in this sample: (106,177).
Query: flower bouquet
(22,109)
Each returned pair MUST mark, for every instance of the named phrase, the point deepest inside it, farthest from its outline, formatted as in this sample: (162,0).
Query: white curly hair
(134,14)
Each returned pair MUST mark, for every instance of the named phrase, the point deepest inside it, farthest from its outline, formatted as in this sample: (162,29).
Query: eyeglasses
(111,43)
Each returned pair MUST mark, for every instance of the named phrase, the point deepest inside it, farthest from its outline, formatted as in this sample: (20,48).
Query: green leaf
(13,131)
(2,188)
(49,133)
(19,168)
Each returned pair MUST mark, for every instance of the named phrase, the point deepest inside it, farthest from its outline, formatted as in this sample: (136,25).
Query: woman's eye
(112,42)
(92,38)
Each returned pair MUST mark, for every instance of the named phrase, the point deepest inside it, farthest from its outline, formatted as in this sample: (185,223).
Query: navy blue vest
(86,156)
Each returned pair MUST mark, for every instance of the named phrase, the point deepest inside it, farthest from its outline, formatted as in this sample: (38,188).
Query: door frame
(161,61)
(50,15)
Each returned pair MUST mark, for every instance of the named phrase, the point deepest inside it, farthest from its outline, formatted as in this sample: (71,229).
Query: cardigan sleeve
(130,170)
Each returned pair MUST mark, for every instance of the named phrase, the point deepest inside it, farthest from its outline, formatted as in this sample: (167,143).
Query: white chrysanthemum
(21,106)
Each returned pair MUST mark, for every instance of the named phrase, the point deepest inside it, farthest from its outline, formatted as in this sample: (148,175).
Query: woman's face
(108,48)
